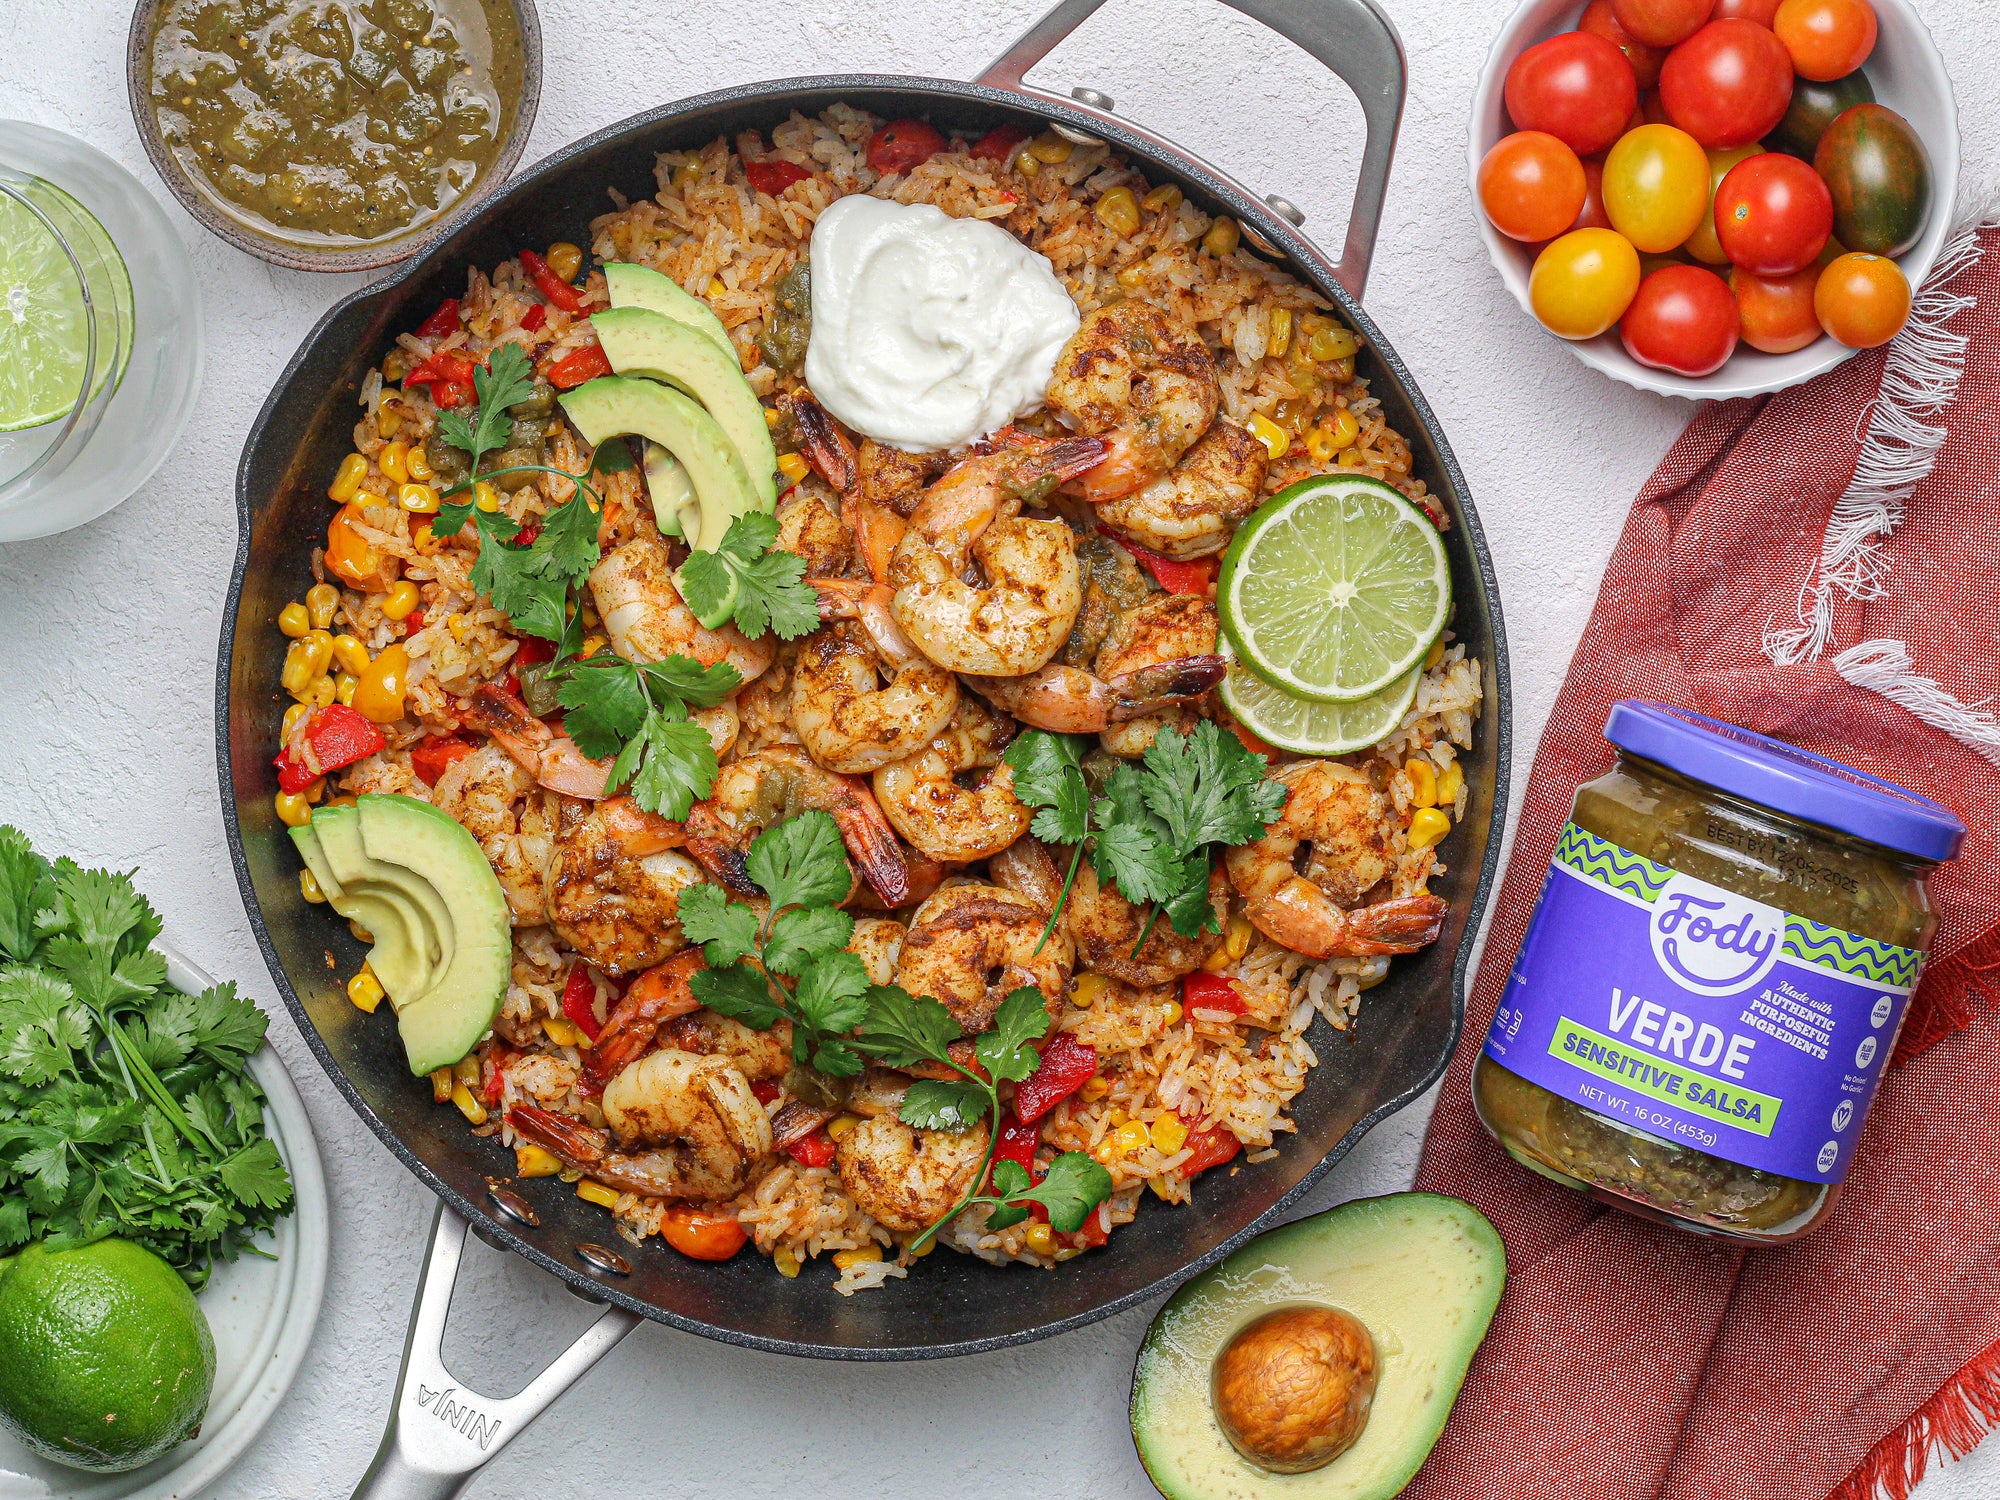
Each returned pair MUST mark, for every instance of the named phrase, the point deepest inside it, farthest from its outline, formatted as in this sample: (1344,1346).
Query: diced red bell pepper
(442,323)
(765,1090)
(579,365)
(1204,991)
(525,537)
(452,365)
(550,285)
(533,651)
(413,622)
(1209,1148)
(1017,1143)
(774,174)
(430,758)
(1197,577)
(999,143)
(579,1002)
(446,394)
(534,317)
(1095,1230)
(815,1150)
(338,736)
(496,1074)
(1065,1066)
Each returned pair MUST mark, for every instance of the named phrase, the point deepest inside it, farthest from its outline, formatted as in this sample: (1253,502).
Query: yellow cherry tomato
(1583,282)
(1702,244)
(1656,186)
(378,692)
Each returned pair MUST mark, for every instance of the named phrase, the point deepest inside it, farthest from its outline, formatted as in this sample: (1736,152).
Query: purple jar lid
(1785,778)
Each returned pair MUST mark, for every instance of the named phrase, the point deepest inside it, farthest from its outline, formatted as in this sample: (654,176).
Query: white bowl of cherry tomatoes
(1715,198)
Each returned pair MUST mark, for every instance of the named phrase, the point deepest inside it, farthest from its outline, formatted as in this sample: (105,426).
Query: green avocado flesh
(636,286)
(676,507)
(639,341)
(425,915)
(1423,1273)
(614,404)
(405,953)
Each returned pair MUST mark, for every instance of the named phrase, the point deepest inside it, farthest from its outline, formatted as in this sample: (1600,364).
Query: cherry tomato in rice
(765,1091)
(1728,83)
(1577,87)
(1773,214)
(1775,313)
(1815,106)
(903,146)
(1599,19)
(1683,319)
(701,1235)
(1759,11)
(1204,991)
(1531,186)
(1880,177)
(1209,1147)
(815,1150)
(435,754)
(1000,143)
(773,174)
(1583,282)
(352,558)
(1662,23)
(535,317)
(446,394)
(1862,300)
(1702,244)
(1656,187)
(1827,39)
(442,322)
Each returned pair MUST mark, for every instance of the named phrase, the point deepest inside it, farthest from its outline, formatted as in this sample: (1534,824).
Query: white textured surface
(107,640)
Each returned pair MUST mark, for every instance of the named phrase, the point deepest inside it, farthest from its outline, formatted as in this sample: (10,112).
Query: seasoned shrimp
(878,943)
(646,620)
(862,696)
(1347,827)
(1127,374)
(758,1055)
(971,945)
(1155,657)
(1194,510)
(907,1179)
(614,884)
(658,996)
(1102,924)
(925,801)
(1020,616)
(481,791)
(808,528)
(681,1127)
(551,758)
(778,783)
(1176,631)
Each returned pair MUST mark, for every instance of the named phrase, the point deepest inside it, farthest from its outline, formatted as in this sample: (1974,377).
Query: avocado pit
(1292,1388)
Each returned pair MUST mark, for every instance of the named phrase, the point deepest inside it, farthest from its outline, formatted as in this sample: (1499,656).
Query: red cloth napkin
(1629,1360)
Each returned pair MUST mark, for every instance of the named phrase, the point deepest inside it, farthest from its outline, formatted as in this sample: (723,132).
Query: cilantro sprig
(750,580)
(639,715)
(506,378)
(1151,830)
(126,1108)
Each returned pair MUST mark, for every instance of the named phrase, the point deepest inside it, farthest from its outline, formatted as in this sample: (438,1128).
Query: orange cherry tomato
(1828,39)
(1656,187)
(352,558)
(1583,282)
(1662,23)
(1775,313)
(1598,17)
(701,1235)
(1862,300)
(1531,185)
(1759,11)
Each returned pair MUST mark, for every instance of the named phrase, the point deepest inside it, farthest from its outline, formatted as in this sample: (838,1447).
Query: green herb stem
(1062,900)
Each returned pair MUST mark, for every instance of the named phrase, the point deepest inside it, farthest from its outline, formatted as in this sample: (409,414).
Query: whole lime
(106,1360)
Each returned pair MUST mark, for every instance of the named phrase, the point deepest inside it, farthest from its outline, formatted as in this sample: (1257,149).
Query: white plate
(1908,76)
(261,1311)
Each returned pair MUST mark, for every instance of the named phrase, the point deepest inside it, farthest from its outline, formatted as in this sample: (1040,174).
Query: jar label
(1698,1015)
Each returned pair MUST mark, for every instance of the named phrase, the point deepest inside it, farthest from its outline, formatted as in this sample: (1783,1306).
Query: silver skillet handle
(441,1433)
(1352,37)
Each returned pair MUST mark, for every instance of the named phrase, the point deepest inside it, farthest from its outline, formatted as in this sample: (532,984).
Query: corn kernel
(717,287)
(1174,1013)
(860,1255)
(1423,781)
(294,621)
(322,599)
(1218,958)
(471,1108)
(1451,781)
(309,888)
(1330,344)
(315,789)
(772,417)
(291,720)
(1280,337)
(563,1033)
(402,600)
(418,499)
(918,1252)
(1118,211)
(1169,1134)
(424,539)
(1040,1238)
(592,644)
(1223,236)
(1240,933)
(1344,429)
(531,1160)
(1094,1088)
(1133,276)
(1161,1190)
(320,692)
(792,466)
(1428,827)
(1353,458)
(393,460)
(1274,438)
(441,1084)
(840,1127)
(361,934)
(570,1174)
(686,175)
(1163,199)
(466,1070)
(418,464)
(1106,1151)
(350,654)
(1132,1136)
(1088,990)
(1435,655)
(1374,970)
(365,990)
(395,365)
(347,479)
(591,1191)
(564,259)
(785,1260)
(486,497)
(292,809)
(1050,149)
(1026,164)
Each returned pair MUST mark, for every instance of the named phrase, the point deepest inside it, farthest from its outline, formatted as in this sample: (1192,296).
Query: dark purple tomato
(1814,107)
(1880,178)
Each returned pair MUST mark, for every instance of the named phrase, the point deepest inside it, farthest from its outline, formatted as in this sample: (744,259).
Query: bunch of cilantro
(791,964)
(1151,831)
(126,1107)
(634,714)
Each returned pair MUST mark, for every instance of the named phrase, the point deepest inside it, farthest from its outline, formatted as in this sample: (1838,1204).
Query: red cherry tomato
(1775,313)
(1577,87)
(1760,11)
(1599,20)
(1728,83)
(903,146)
(1592,214)
(700,1234)
(999,143)
(1827,39)
(773,174)
(1683,319)
(1772,214)
(1662,23)
(1531,186)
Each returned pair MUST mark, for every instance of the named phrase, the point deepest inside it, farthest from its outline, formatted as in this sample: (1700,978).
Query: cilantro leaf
(689,681)
(802,931)
(604,703)
(1208,789)
(670,764)
(750,580)
(934,1104)
(1048,775)
(566,546)
(1004,1050)
(225,1023)
(26,889)
(727,930)
(612,457)
(257,1175)
(1010,1180)
(1132,857)
(503,380)
(902,1030)
(832,993)
(1189,908)
(1073,1186)
(738,992)
(836,1058)
(801,862)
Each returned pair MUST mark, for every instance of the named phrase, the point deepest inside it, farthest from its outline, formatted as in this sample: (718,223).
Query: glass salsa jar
(1712,982)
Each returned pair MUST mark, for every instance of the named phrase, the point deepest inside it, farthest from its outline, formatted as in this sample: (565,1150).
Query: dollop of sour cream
(928,331)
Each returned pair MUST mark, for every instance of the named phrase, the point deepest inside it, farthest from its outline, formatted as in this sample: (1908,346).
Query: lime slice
(1335,588)
(44,338)
(1308,728)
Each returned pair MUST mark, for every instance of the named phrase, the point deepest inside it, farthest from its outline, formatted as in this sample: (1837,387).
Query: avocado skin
(614,404)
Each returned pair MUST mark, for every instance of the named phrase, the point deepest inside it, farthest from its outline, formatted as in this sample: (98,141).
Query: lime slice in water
(1307,728)
(1335,588)
(44,338)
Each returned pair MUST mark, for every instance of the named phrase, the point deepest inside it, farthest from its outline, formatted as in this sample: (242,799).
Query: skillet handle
(1351,37)
(440,1433)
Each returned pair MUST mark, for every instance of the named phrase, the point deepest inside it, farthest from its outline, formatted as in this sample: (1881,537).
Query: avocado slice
(447,1020)
(613,404)
(1422,1272)
(402,959)
(637,286)
(639,341)
(676,507)
(425,916)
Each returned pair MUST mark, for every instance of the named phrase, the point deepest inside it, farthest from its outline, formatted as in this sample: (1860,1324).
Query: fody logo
(1713,941)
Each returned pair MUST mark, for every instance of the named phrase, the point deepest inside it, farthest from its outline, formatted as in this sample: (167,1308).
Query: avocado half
(1422,1272)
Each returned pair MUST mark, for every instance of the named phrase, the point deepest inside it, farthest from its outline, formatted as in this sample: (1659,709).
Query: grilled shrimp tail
(569,1140)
